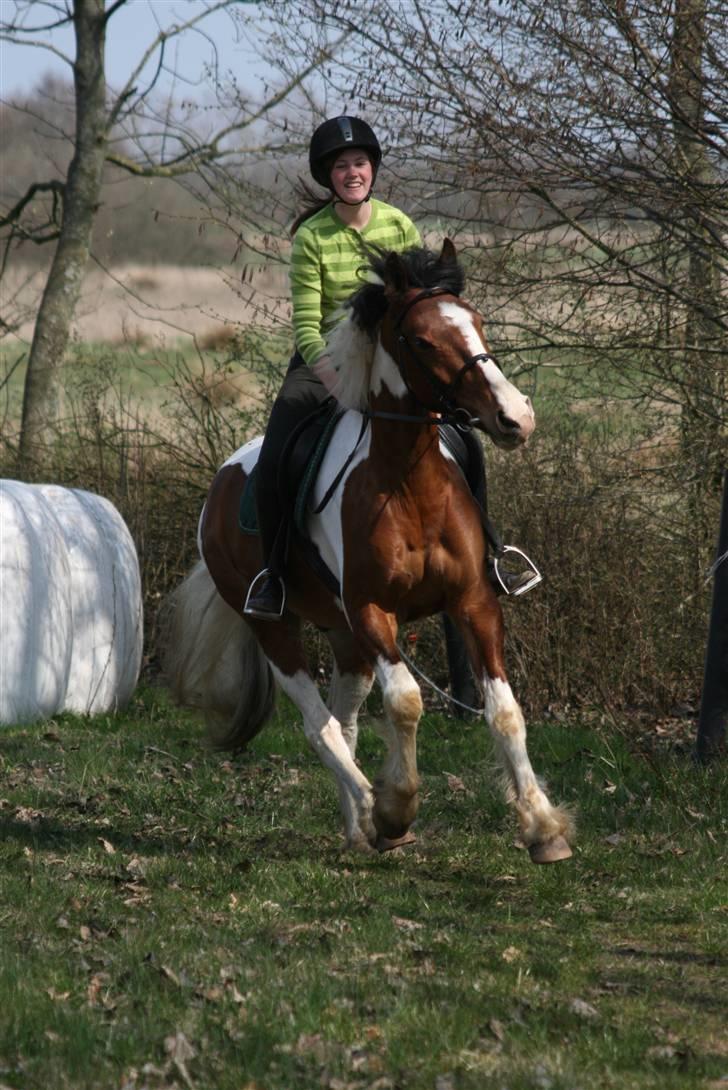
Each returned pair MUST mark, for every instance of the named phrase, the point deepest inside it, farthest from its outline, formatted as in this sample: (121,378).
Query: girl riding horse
(326,261)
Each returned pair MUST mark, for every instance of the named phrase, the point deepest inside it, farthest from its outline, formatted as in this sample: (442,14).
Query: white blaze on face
(510,401)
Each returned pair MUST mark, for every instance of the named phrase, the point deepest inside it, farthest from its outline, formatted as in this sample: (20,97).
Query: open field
(158,305)
(172,918)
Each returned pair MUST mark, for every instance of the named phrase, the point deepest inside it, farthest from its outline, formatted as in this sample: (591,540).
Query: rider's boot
(513,583)
(266,598)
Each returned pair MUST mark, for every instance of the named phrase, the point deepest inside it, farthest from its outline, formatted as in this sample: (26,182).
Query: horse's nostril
(506,424)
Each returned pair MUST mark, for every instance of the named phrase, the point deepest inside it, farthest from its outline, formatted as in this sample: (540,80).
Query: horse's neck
(402,445)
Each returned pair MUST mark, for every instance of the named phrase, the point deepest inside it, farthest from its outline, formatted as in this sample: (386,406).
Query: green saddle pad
(248,514)
(302,483)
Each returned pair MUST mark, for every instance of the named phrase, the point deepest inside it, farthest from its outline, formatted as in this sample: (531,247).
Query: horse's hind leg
(282,646)
(351,683)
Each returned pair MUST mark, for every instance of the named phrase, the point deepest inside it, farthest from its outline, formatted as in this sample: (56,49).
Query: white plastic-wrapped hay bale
(70,603)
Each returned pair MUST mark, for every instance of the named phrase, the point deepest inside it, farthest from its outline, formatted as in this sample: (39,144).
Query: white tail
(212,661)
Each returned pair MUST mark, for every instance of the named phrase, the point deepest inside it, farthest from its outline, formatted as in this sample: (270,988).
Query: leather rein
(444,392)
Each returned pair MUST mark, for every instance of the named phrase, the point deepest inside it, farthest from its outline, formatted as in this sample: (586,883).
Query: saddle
(301,460)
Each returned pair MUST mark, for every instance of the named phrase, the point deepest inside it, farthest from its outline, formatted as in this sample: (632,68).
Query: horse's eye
(420,342)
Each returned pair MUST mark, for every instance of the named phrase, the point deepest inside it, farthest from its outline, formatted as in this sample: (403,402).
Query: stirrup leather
(250,610)
(534,580)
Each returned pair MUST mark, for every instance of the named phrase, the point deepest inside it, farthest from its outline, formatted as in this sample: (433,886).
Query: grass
(173,918)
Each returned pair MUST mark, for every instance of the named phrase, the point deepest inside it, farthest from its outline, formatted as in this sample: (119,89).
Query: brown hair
(312,202)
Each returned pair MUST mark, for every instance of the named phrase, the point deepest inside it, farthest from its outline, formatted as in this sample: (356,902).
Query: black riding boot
(503,581)
(300,395)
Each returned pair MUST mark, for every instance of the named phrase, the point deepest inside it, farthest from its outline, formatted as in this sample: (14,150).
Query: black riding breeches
(300,394)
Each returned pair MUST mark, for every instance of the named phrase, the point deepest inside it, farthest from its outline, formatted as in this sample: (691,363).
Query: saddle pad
(248,514)
(303,462)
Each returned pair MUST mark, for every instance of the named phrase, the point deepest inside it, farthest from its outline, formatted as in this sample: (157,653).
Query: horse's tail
(212,661)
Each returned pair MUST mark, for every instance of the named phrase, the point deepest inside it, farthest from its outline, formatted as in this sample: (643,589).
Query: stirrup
(532,582)
(264,615)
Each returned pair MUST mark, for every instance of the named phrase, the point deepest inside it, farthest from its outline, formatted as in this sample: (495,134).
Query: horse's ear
(396,280)
(448,253)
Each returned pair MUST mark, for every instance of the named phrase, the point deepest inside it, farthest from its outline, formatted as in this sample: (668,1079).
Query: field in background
(174,919)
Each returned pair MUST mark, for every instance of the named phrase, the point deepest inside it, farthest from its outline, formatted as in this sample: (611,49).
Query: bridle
(444,392)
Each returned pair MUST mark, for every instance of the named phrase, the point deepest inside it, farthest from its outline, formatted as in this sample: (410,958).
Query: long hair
(312,202)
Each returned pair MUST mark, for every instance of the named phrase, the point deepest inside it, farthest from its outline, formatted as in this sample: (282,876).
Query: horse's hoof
(385,844)
(550,851)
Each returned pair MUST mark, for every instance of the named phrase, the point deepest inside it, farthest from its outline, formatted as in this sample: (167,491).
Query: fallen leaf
(107,845)
(455,784)
(170,975)
(406,925)
(582,1009)
(496,1028)
(511,953)
(180,1052)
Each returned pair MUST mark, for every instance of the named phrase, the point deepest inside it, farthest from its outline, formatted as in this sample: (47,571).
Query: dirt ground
(144,304)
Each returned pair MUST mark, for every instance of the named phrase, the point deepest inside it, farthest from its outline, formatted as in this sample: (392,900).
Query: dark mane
(368,304)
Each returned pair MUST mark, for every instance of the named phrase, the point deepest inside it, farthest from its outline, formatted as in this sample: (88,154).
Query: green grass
(173,918)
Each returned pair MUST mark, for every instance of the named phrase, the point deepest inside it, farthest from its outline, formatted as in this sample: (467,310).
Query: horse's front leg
(546,829)
(395,788)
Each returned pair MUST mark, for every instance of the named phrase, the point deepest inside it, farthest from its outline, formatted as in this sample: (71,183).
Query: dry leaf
(496,1028)
(582,1009)
(107,845)
(406,925)
(170,975)
(511,953)
(180,1051)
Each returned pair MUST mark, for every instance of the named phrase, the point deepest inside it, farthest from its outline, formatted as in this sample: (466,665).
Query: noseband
(444,391)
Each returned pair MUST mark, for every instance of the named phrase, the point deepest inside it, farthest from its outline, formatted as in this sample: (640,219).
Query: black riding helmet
(338,134)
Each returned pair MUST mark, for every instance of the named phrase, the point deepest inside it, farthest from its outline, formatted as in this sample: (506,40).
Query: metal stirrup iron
(251,611)
(524,588)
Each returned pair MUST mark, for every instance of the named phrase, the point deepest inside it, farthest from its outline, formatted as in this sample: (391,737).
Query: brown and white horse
(405,540)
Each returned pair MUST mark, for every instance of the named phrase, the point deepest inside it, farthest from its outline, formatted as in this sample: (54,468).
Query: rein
(444,392)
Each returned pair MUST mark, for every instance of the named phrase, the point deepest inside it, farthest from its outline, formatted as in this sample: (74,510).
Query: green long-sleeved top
(326,260)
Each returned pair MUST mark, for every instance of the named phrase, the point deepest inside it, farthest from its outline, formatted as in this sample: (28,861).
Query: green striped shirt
(326,267)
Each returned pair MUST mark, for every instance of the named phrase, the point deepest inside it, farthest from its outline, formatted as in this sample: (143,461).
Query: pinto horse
(403,536)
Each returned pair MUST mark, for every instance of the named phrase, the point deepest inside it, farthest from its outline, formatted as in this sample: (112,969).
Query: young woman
(344,157)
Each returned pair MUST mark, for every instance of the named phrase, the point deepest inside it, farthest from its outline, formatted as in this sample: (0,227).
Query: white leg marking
(539,820)
(346,696)
(403,708)
(323,731)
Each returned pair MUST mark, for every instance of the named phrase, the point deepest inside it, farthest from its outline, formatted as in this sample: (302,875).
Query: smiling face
(352,176)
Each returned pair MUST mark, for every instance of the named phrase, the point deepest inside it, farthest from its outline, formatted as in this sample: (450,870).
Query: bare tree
(126,128)
(580,150)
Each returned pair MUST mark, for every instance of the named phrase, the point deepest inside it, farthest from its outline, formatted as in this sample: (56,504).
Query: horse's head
(437,348)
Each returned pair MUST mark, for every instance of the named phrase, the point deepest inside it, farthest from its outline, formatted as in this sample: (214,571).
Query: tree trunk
(703,408)
(42,396)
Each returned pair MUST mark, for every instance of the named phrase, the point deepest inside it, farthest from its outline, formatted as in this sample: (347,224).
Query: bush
(620,619)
